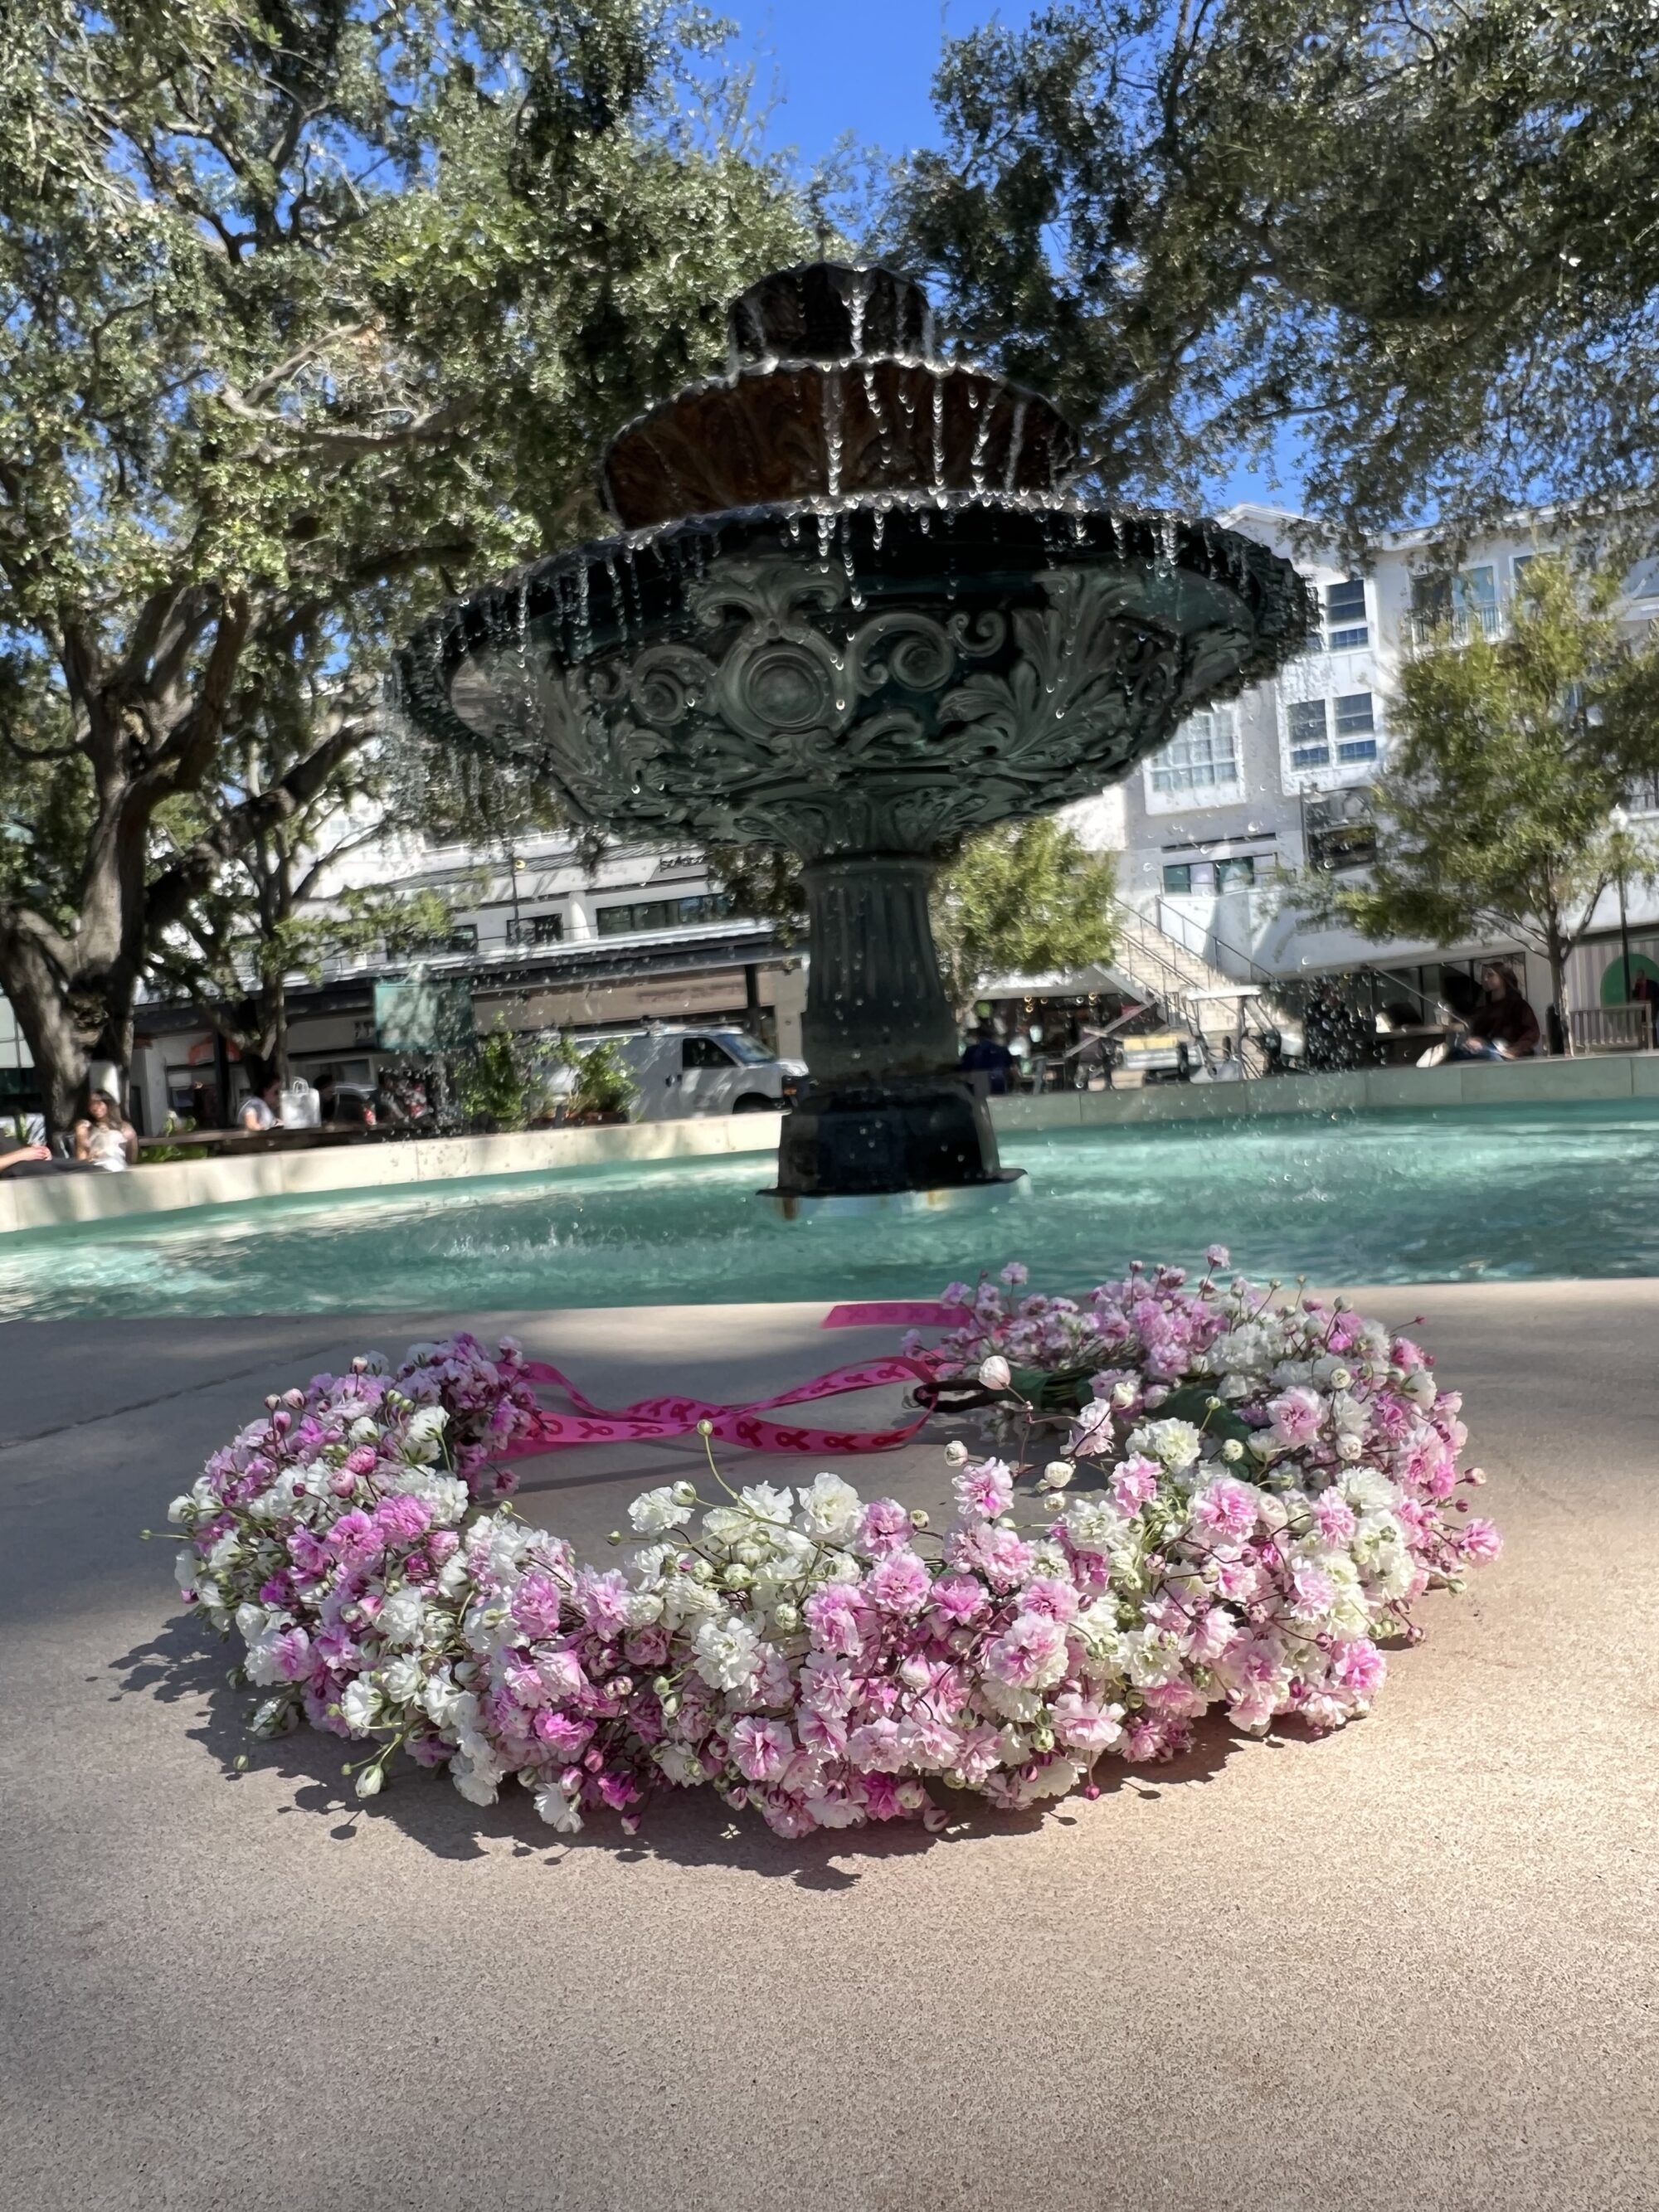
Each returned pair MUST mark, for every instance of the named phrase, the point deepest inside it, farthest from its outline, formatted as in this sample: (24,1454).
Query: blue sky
(858,65)
(829,67)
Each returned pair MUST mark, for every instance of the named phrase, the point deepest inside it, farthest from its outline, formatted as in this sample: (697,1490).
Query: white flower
(956,1453)
(1175,1444)
(1095,1524)
(179,1508)
(369,1782)
(1057,1474)
(403,1616)
(831,1509)
(726,1650)
(994,1373)
(360,1706)
(658,1511)
(679,1763)
(444,1495)
(478,1782)
(225,1553)
(441,1697)
(559,1811)
(401,1679)
(427,1424)
(773,1506)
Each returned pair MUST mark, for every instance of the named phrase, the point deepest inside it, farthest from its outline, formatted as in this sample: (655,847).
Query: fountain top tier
(834,389)
(853,608)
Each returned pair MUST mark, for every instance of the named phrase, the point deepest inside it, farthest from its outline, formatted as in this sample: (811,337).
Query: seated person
(263,1110)
(103,1139)
(1502,1026)
(37,1160)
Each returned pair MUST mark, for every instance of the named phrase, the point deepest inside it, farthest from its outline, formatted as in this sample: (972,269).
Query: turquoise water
(1500,1194)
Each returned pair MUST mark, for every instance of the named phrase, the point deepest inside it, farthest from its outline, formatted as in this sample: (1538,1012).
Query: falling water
(939,429)
(1016,440)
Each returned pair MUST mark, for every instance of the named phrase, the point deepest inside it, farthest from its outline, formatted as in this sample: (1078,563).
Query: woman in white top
(264,1109)
(102,1139)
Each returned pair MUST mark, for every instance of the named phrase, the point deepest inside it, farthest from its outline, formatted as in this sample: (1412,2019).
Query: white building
(1279,782)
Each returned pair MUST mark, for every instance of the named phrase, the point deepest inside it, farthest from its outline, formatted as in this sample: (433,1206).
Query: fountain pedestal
(887,1111)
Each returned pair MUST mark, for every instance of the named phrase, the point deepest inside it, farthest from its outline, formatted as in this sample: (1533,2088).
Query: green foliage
(602,1084)
(1508,761)
(309,315)
(495,1082)
(1418,235)
(1029,898)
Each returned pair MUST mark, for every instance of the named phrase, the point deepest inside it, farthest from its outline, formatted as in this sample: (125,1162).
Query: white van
(686,1070)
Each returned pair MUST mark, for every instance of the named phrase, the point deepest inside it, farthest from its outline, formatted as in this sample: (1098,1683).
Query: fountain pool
(1489,1193)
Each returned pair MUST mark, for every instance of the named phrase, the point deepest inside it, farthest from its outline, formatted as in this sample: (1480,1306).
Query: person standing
(985,1055)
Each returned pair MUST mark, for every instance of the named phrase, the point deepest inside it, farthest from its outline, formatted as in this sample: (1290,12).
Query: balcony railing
(1455,626)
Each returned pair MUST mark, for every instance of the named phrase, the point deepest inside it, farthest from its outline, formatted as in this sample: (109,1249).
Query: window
(1310,745)
(1356,727)
(1205,878)
(1463,604)
(1344,615)
(703,1052)
(1202,758)
(646,915)
(1339,831)
(537,929)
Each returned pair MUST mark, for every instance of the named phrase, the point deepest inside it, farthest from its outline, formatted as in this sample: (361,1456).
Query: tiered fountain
(854,614)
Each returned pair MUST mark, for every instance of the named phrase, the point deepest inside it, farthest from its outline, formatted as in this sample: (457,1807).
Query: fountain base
(951,1198)
(925,1140)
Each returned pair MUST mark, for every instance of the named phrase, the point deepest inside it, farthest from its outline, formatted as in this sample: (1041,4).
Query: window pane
(546,929)
(1235,875)
(1477,587)
(1309,735)
(1203,756)
(1356,749)
(1353,713)
(1345,614)
(1178,879)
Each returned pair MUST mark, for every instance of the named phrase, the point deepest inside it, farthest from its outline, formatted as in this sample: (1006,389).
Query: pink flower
(761,1749)
(402,1519)
(536,1604)
(565,1736)
(1297,1414)
(1085,1724)
(602,1600)
(1228,1507)
(885,1525)
(292,1652)
(1030,1654)
(1334,1517)
(1480,1540)
(1359,1666)
(960,1597)
(984,1490)
(1047,1594)
(837,1616)
(1135,1484)
(877,1747)
(901,1584)
(996,1554)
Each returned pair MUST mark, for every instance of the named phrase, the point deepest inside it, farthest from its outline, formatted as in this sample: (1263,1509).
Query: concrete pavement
(1415,1964)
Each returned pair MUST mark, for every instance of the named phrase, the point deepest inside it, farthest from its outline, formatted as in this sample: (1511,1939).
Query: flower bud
(1057,1474)
(1232,1449)
(737,1575)
(918,1517)
(1340,1378)
(788,1618)
(685,1493)
(705,1428)
(956,1453)
(370,1781)
(994,1373)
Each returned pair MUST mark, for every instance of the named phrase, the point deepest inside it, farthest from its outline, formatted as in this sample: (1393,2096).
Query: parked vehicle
(1160,1055)
(715,1071)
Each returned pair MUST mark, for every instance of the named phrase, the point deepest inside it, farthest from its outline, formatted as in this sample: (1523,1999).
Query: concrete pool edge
(48,1203)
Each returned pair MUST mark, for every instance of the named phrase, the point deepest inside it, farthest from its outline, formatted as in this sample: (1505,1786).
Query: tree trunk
(60,1047)
(1557,950)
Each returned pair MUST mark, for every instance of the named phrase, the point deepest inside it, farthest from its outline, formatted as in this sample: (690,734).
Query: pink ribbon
(655,1419)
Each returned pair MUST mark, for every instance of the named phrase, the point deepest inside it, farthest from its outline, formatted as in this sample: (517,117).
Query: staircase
(1155,966)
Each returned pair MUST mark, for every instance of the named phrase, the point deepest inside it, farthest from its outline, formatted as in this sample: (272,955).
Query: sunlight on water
(1380,1198)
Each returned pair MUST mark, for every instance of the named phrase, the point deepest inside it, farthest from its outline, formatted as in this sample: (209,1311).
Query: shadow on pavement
(689,1828)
